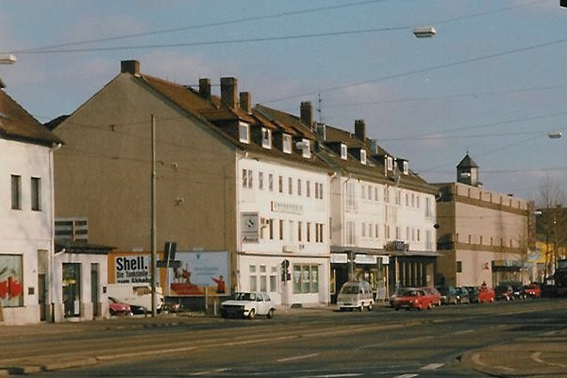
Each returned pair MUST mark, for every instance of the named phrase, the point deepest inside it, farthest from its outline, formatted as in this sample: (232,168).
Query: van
(136,295)
(355,295)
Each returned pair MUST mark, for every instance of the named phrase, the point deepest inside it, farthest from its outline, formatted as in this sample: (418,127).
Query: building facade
(26,216)
(483,235)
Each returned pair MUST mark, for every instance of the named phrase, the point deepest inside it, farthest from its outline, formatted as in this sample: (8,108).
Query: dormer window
(286,143)
(343,151)
(305,147)
(405,167)
(244,132)
(266,138)
(363,157)
(389,163)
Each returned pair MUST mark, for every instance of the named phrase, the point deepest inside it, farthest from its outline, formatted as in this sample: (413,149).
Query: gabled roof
(17,124)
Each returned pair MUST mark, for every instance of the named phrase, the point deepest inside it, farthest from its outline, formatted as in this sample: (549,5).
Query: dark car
(473,293)
(504,292)
(448,294)
(462,295)
(519,291)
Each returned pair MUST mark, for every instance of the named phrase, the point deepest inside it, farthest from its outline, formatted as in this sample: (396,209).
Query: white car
(248,305)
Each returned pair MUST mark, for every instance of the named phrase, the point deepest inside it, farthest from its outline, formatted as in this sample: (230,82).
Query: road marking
(297,357)
(462,332)
(535,357)
(332,375)
(407,376)
(209,372)
(143,353)
(432,367)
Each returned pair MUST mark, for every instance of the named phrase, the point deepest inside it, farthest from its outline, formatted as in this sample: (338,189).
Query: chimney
(246,102)
(306,113)
(228,91)
(130,66)
(360,130)
(205,88)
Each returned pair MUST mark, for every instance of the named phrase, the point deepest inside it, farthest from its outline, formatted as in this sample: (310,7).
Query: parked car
(504,292)
(518,290)
(118,308)
(413,298)
(248,305)
(473,293)
(486,295)
(448,294)
(435,295)
(393,297)
(355,295)
(532,290)
(462,295)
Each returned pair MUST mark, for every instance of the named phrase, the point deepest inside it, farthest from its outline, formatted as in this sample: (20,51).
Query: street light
(424,31)
(7,59)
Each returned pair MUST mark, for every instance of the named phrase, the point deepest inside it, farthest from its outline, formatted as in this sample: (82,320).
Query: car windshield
(350,289)
(245,296)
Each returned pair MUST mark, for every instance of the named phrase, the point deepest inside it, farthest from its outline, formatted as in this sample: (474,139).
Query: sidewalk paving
(541,356)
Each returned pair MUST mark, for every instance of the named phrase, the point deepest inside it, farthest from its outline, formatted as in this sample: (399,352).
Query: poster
(200,271)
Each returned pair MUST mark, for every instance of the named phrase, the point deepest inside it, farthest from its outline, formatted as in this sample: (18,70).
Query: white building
(26,215)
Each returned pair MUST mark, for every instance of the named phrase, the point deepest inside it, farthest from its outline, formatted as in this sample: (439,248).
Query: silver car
(248,305)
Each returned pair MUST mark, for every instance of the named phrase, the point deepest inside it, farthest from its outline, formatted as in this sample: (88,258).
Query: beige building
(483,235)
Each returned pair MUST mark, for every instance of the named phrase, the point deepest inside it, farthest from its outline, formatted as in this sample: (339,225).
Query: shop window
(305,279)
(72,289)
(11,281)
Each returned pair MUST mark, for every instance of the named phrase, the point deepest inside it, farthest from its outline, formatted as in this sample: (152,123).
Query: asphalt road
(303,343)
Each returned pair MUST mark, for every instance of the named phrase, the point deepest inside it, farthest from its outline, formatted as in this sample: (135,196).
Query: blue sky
(492,81)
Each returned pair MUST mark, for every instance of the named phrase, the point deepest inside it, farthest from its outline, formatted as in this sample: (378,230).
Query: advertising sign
(200,271)
(250,227)
(130,268)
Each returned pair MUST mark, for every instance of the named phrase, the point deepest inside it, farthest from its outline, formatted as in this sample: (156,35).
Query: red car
(486,295)
(532,290)
(413,298)
(118,308)
(434,294)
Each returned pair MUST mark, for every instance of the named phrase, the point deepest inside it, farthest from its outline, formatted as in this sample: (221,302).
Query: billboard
(129,267)
(199,272)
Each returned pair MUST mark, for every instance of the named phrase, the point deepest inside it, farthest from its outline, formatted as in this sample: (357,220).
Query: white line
(432,367)
(462,332)
(143,353)
(407,376)
(297,357)
(209,372)
(333,375)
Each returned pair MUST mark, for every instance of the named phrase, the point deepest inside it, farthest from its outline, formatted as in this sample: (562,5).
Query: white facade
(370,215)
(26,231)
(283,214)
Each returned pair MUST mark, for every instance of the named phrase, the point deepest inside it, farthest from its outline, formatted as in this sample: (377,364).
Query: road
(321,343)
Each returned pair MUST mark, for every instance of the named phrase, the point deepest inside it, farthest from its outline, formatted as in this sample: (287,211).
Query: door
(95,294)
(42,297)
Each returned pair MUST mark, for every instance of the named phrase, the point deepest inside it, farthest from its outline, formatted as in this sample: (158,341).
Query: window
(271,182)
(369,192)
(274,279)
(253,278)
(405,167)
(389,163)
(376,227)
(244,132)
(363,157)
(308,188)
(16,192)
(280,183)
(286,144)
(263,278)
(36,193)
(261,180)
(305,279)
(308,231)
(319,232)
(281,229)
(271,227)
(266,138)
(376,194)
(343,151)
(363,229)
(299,187)
(369,230)
(299,227)
(290,185)
(12,295)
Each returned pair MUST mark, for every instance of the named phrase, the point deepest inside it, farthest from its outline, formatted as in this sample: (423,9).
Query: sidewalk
(541,356)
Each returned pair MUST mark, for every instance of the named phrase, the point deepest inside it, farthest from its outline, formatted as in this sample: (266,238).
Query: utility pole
(153,219)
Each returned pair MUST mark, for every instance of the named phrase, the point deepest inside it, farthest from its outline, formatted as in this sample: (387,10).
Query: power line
(194,27)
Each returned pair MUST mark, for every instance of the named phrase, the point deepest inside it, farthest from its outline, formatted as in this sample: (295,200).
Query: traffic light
(286,275)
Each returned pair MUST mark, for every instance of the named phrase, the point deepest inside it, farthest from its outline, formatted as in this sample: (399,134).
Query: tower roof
(467,162)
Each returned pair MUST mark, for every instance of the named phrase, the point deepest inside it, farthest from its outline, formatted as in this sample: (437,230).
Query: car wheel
(251,314)
(224,314)
(397,308)
(370,307)
(361,307)
(270,314)
(430,306)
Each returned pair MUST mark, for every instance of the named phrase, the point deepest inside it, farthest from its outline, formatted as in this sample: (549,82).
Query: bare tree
(551,223)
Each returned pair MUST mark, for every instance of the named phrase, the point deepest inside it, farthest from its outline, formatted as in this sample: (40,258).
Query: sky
(491,82)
